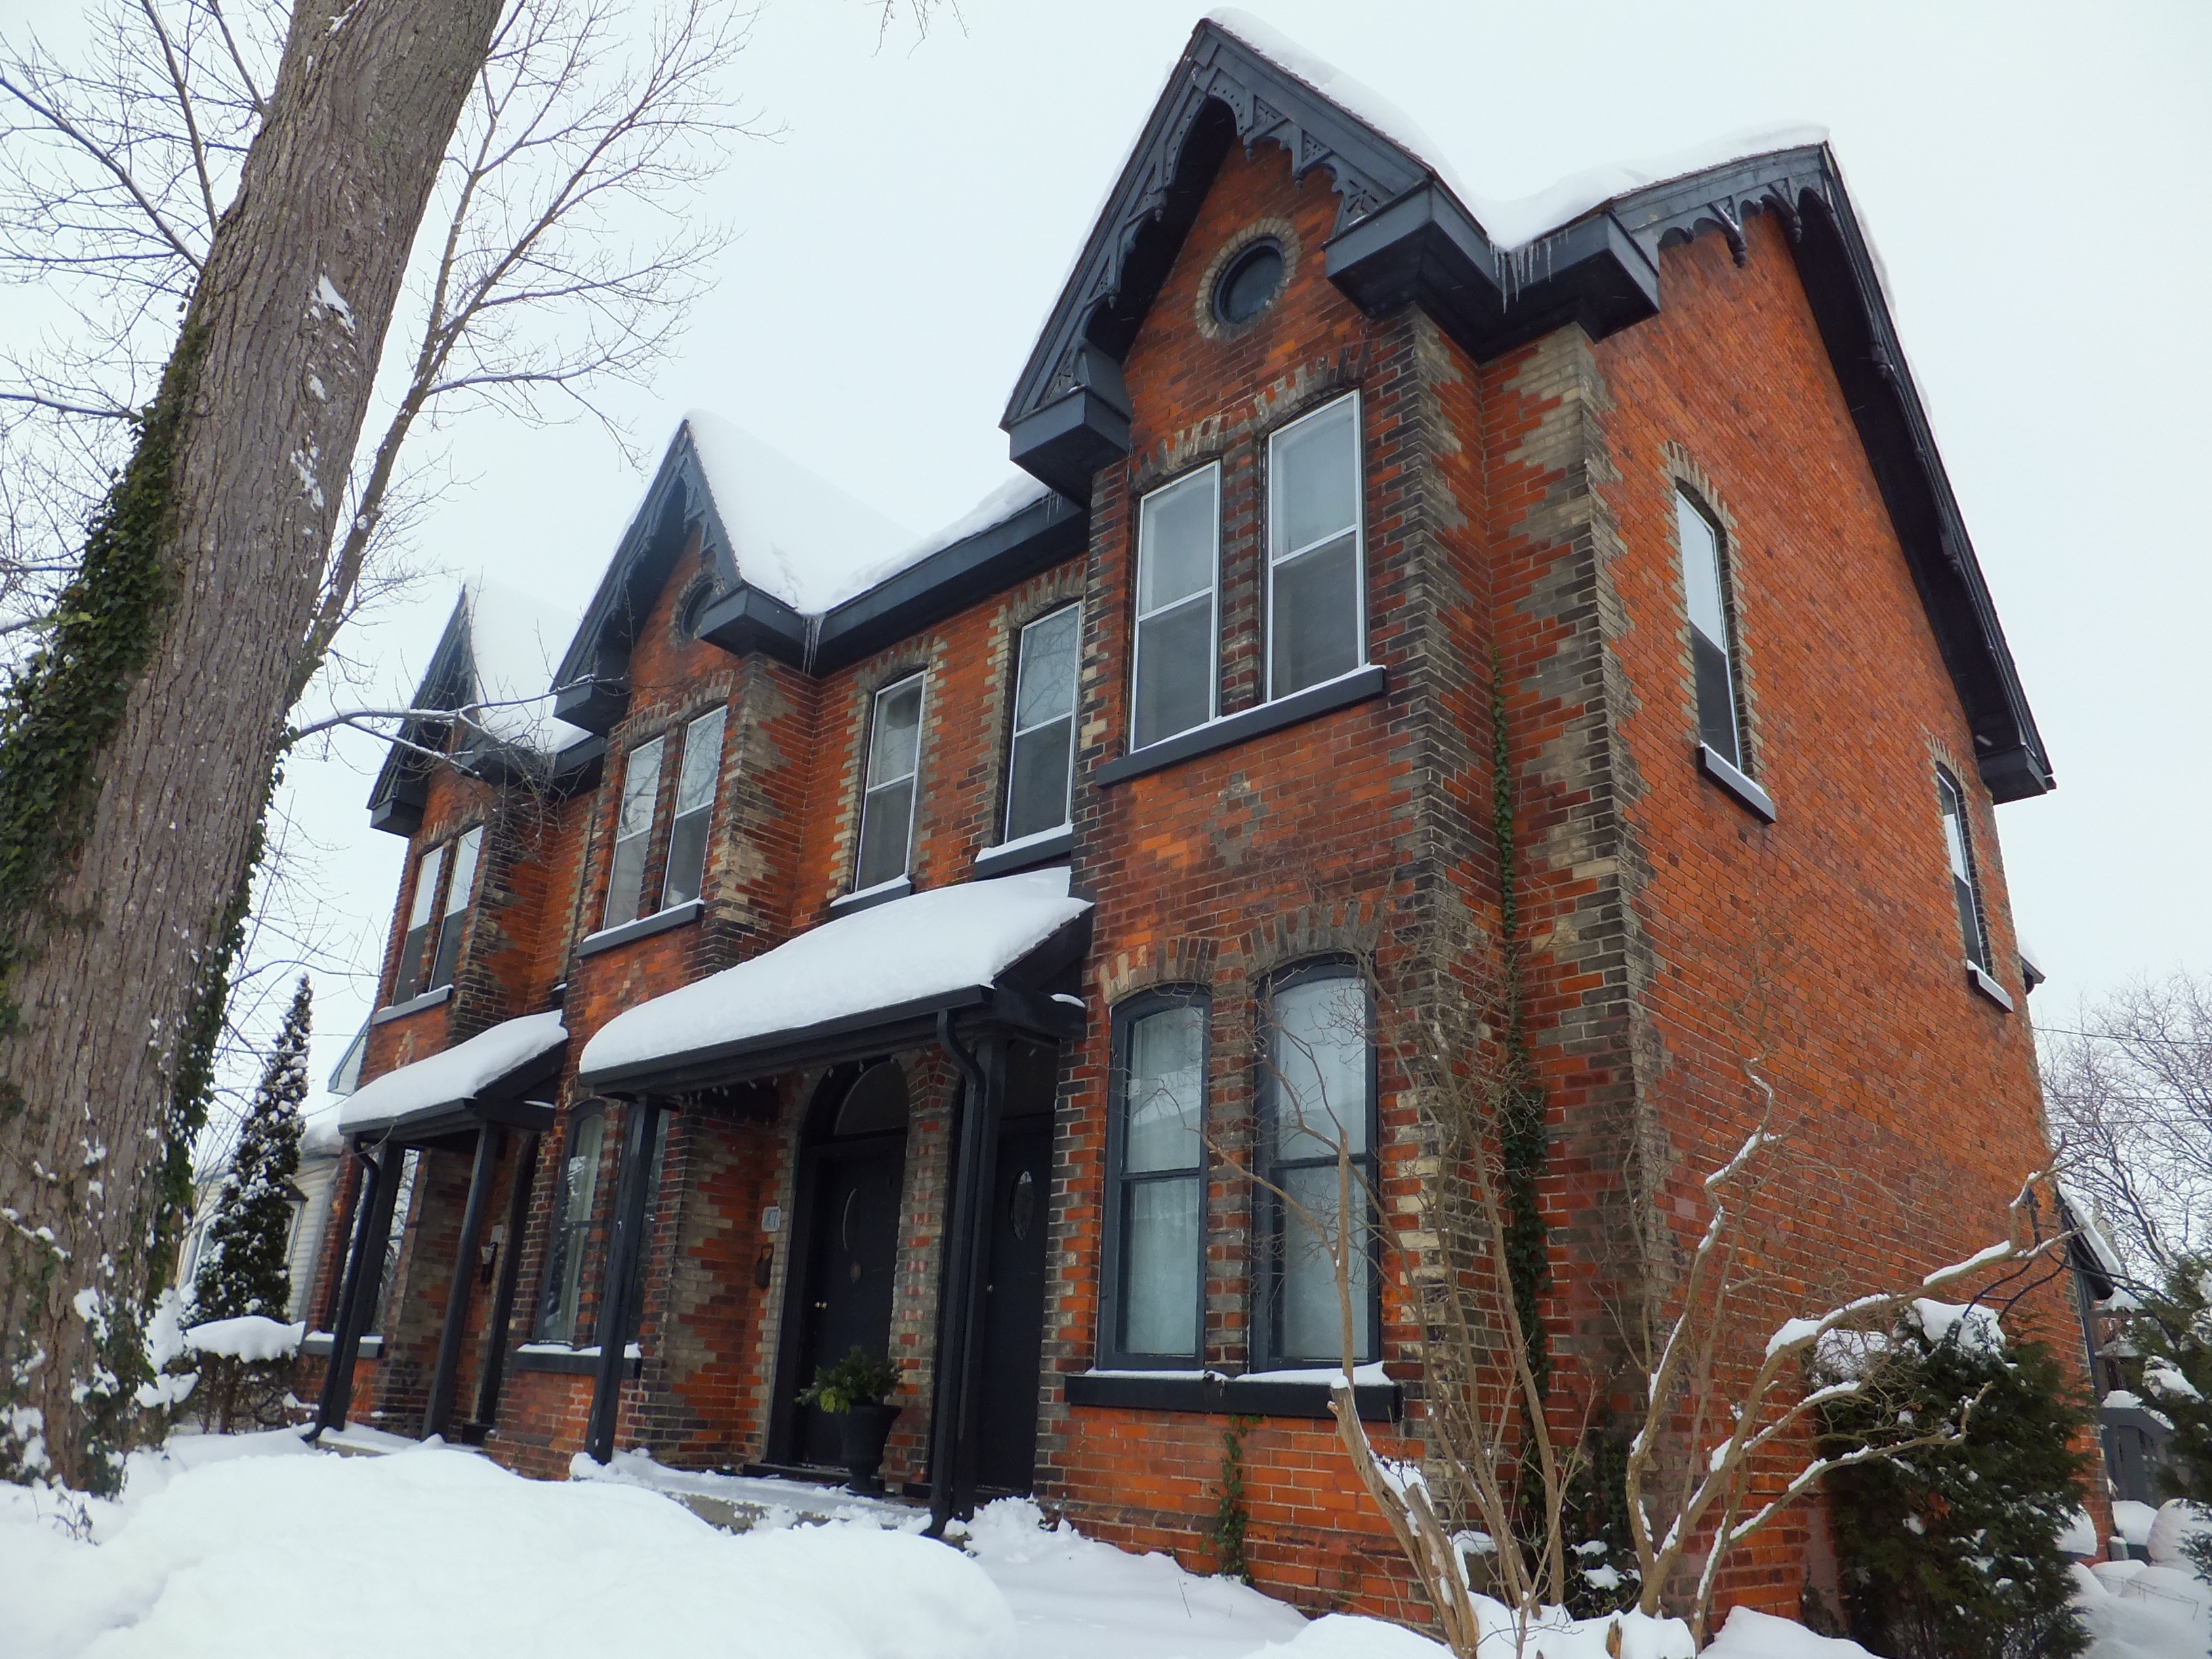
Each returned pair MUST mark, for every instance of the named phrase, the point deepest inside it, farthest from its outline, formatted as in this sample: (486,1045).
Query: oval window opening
(1252,280)
(1023,1208)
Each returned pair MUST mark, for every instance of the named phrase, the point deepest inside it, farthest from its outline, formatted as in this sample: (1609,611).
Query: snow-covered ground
(247,1545)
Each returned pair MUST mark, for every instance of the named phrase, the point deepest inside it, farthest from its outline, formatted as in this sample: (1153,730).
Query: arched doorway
(851,1174)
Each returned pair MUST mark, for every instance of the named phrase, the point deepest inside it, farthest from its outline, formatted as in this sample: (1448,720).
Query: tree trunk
(273,373)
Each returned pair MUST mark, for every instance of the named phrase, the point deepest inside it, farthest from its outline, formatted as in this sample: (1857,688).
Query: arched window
(1316,1089)
(1154,1295)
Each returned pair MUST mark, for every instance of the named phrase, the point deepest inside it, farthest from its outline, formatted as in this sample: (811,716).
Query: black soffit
(1402,237)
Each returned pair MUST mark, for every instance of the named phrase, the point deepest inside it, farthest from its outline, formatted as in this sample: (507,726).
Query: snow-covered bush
(244,1271)
(1953,1550)
(2173,1333)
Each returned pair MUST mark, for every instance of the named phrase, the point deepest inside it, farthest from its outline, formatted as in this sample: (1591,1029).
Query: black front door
(1013,1309)
(851,1254)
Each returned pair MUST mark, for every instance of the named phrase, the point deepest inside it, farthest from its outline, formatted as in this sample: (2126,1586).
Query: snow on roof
(455,1074)
(793,533)
(321,1135)
(516,643)
(1004,501)
(1510,221)
(2083,1214)
(929,945)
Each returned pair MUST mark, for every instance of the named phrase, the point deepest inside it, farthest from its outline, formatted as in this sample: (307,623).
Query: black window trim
(660,783)
(684,724)
(1976,953)
(1267,1214)
(1126,1014)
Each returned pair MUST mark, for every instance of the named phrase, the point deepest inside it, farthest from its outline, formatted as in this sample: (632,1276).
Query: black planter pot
(861,1445)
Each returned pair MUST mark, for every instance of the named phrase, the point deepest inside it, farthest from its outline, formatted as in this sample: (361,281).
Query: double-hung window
(1156,1285)
(1317,594)
(1964,888)
(414,949)
(1041,760)
(1178,568)
(571,1228)
(459,889)
(887,803)
(634,833)
(694,808)
(1712,651)
(1318,1085)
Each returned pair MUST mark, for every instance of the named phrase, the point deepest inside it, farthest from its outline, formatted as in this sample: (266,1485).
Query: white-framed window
(887,802)
(1172,673)
(460,888)
(696,775)
(1965,887)
(1711,650)
(1041,758)
(414,948)
(1317,554)
(633,832)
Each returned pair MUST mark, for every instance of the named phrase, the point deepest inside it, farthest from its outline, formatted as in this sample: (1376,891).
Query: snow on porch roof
(488,1070)
(898,959)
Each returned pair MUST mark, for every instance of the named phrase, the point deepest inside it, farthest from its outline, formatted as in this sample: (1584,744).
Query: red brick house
(820,987)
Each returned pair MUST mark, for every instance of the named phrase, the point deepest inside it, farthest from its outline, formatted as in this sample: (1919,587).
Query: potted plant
(858,1387)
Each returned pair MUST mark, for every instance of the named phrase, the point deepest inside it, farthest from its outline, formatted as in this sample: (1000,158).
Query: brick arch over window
(1169,962)
(1350,930)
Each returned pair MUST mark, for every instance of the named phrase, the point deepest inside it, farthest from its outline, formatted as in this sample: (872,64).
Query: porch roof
(480,1081)
(875,979)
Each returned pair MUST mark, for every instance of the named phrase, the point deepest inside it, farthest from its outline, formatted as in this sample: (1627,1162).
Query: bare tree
(2129,1093)
(1720,1446)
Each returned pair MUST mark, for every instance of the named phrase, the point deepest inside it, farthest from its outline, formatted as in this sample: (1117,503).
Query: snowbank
(433,1552)
(908,951)
(251,1338)
(458,1073)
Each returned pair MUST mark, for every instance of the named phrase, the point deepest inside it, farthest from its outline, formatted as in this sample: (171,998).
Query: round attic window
(1254,277)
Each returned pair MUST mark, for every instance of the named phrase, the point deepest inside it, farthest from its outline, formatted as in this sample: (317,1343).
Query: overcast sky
(2030,174)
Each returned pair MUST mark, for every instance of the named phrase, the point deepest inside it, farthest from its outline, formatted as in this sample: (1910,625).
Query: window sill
(676,916)
(320,1343)
(1989,987)
(1358,686)
(412,1005)
(571,1362)
(1046,846)
(1212,1393)
(1749,795)
(868,897)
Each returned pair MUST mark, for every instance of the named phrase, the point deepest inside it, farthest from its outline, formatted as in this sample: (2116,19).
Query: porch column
(440,1412)
(641,1124)
(371,1233)
(510,1274)
(967,1265)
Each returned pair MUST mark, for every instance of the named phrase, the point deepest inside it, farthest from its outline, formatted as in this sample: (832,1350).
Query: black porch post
(642,1121)
(444,1379)
(371,1232)
(967,1264)
(510,1274)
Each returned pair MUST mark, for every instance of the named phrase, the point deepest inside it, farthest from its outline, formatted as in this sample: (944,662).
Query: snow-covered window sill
(1297,1393)
(1748,795)
(572,1362)
(1988,986)
(412,1005)
(1343,691)
(868,897)
(676,916)
(1030,851)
